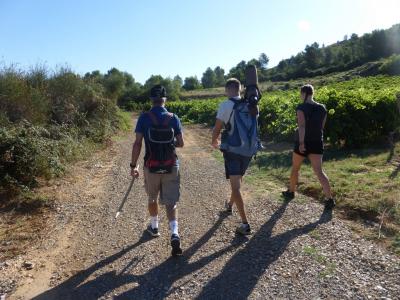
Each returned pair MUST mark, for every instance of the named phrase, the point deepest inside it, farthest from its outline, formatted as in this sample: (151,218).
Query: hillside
(368,69)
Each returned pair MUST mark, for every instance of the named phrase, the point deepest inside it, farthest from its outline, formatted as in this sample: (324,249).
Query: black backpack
(161,156)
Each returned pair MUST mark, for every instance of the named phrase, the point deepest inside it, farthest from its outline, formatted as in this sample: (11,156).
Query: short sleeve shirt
(314,114)
(225,112)
(144,123)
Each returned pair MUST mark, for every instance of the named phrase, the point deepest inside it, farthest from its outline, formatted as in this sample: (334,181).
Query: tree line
(314,60)
(344,55)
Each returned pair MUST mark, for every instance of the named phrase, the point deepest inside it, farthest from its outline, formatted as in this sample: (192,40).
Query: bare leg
(316,162)
(297,160)
(153,208)
(172,212)
(236,196)
(231,201)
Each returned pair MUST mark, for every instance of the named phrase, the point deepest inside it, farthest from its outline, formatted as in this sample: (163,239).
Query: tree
(254,62)
(208,79)
(328,55)
(114,83)
(238,71)
(354,36)
(152,81)
(94,76)
(178,82)
(312,56)
(219,76)
(191,83)
(263,60)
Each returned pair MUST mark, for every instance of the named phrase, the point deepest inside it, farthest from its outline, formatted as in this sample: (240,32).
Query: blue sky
(176,37)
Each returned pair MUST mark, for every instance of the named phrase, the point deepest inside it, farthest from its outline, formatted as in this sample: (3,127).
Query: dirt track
(296,251)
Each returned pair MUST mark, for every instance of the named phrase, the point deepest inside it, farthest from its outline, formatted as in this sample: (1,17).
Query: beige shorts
(165,185)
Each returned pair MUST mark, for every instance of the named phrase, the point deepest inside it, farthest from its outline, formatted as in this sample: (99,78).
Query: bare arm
(179,141)
(137,147)
(324,122)
(216,132)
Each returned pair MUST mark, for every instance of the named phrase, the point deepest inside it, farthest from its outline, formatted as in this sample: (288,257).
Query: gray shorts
(165,185)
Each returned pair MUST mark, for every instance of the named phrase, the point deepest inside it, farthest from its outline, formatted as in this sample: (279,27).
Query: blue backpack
(243,139)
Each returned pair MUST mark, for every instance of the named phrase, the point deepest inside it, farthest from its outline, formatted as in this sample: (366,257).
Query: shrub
(360,111)
(49,120)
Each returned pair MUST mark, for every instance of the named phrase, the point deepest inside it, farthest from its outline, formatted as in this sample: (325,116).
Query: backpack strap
(236,103)
(153,117)
(155,121)
(168,118)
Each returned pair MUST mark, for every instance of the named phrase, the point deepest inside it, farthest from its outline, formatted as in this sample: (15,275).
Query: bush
(360,111)
(49,120)
(391,66)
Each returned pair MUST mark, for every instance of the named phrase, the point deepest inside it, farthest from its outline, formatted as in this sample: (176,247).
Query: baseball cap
(158,91)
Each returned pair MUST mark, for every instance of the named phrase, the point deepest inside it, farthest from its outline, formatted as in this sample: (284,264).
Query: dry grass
(366,183)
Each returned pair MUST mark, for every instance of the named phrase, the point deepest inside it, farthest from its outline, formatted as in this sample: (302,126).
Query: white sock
(173,225)
(154,222)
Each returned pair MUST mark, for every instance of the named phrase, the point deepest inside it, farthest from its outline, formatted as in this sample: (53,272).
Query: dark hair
(307,89)
(232,83)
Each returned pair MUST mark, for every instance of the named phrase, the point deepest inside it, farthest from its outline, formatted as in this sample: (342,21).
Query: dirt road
(297,250)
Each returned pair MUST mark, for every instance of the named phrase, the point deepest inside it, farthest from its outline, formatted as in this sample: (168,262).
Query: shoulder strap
(153,117)
(236,103)
(168,118)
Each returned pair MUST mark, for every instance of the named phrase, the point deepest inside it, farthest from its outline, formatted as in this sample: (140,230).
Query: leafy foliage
(49,119)
(191,83)
(360,112)
(343,55)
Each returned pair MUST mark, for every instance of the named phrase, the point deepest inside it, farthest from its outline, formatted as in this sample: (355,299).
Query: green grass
(367,181)
(328,268)
(315,234)
(313,252)
(396,244)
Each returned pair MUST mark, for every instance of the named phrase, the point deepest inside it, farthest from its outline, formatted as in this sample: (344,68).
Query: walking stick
(125,197)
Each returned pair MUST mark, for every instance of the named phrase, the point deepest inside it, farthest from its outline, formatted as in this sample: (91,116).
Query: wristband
(132,166)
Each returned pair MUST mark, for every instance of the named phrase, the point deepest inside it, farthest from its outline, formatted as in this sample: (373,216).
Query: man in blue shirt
(162,132)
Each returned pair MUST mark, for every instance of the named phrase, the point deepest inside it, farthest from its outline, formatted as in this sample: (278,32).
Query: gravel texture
(296,251)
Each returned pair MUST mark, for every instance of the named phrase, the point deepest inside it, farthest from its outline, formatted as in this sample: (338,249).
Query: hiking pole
(126,196)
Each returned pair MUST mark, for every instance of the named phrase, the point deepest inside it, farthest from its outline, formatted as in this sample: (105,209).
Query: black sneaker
(228,208)
(153,231)
(288,195)
(330,203)
(176,245)
(243,229)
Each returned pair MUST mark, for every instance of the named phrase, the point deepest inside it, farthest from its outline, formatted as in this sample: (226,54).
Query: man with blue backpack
(239,141)
(162,133)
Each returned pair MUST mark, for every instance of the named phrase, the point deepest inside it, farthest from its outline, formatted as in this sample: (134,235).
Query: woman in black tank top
(311,118)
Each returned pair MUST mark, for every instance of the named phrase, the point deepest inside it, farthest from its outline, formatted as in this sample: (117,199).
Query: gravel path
(297,250)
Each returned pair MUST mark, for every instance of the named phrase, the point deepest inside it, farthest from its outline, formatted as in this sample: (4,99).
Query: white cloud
(303,25)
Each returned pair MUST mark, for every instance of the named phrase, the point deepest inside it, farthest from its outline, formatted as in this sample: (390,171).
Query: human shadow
(395,172)
(242,272)
(69,289)
(156,283)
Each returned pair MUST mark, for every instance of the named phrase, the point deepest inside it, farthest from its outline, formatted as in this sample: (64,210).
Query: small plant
(315,234)
(329,270)
(328,267)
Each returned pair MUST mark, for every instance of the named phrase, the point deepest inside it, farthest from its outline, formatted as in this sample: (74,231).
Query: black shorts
(311,148)
(235,164)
